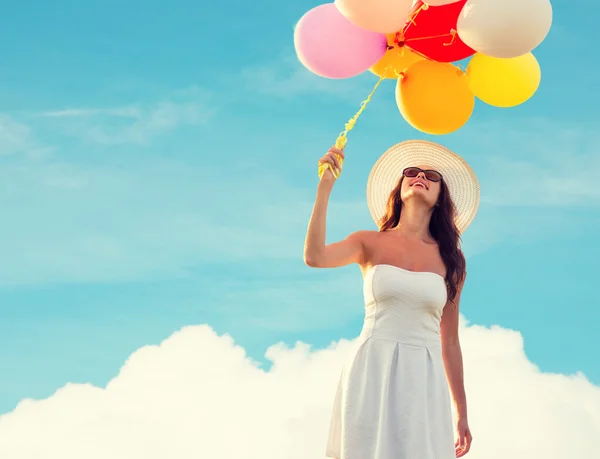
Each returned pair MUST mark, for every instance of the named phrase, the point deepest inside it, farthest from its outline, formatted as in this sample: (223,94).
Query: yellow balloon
(434,97)
(399,59)
(504,82)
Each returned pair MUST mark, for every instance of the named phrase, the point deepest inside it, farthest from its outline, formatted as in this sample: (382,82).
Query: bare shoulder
(366,239)
(369,240)
(363,236)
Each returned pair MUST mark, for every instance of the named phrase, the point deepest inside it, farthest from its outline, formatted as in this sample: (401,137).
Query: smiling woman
(427,184)
(393,396)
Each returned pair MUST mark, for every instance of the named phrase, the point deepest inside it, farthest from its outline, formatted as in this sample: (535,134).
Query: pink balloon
(331,46)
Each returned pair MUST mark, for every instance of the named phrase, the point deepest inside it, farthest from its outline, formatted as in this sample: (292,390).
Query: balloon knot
(399,39)
(453,37)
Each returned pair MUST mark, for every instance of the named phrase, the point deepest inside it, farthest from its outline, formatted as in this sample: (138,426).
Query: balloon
(504,82)
(430,33)
(506,28)
(398,58)
(434,97)
(331,46)
(384,16)
(439,2)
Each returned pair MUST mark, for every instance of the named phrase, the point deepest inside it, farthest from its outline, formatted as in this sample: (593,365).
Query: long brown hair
(442,228)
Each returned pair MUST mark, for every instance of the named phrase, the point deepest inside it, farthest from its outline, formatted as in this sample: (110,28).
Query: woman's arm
(452,355)
(316,253)
(453,363)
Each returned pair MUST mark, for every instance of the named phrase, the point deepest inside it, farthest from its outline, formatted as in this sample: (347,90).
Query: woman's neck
(414,221)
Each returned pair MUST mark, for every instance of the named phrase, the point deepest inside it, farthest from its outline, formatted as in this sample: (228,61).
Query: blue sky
(158,169)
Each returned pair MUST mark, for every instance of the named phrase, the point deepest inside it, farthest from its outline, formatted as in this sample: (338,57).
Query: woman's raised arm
(316,253)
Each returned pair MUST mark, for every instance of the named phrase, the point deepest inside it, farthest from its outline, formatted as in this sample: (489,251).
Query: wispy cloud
(287,77)
(136,124)
(536,163)
(126,112)
(18,138)
(540,183)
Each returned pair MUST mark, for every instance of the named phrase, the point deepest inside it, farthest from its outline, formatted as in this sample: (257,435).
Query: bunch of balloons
(419,43)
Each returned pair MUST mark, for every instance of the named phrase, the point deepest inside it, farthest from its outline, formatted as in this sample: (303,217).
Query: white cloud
(287,77)
(126,112)
(539,162)
(18,138)
(136,124)
(14,136)
(199,395)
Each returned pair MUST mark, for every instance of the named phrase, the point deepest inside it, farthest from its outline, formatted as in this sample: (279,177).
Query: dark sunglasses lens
(433,176)
(411,171)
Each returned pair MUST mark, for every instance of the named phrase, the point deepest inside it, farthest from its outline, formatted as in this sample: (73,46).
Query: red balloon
(432,32)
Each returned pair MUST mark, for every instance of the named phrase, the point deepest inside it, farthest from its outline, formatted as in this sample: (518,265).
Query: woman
(393,397)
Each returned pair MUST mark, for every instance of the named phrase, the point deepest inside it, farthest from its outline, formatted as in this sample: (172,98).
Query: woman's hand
(334,157)
(463,443)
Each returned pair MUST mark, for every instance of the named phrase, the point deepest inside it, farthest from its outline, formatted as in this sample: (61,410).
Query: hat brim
(457,174)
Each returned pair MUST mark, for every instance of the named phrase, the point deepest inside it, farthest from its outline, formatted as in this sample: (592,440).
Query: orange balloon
(395,60)
(435,97)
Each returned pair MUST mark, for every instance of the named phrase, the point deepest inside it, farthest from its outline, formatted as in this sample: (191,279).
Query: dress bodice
(404,306)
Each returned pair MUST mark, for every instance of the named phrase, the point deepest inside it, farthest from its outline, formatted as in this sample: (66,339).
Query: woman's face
(420,187)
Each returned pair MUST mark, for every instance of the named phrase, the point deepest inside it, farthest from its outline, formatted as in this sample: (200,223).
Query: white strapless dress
(393,400)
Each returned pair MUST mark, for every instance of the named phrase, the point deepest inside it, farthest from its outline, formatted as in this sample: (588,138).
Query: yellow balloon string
(451,34)
(411,18)
(340,142)
(411,21)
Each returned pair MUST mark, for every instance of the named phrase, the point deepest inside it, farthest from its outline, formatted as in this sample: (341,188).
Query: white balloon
(383,16)
(439,2)
(504,28)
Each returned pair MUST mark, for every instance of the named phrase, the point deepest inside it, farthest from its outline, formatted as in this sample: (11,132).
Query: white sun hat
(457,174)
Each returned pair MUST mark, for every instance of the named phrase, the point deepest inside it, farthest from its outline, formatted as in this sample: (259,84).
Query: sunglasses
(431,175)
